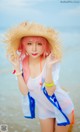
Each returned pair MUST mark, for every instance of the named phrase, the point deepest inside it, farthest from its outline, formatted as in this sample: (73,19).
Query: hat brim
(14,36)
(30,29)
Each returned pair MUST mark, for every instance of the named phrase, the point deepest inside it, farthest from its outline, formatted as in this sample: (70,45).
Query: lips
(34,54)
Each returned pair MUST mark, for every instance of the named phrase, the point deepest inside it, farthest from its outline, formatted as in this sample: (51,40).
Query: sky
(61,14)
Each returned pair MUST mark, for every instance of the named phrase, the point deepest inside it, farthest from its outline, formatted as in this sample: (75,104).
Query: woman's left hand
(51,60)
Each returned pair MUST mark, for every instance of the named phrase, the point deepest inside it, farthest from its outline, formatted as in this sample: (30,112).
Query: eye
(29,43)
(40,44)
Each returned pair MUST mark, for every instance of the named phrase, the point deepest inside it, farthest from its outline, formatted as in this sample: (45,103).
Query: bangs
(34,39)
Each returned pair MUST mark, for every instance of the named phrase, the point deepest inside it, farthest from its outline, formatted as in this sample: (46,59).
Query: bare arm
(21,83)
(49,79)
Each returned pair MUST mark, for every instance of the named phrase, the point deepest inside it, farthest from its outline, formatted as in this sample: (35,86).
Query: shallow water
(10,108)
(10,102)
(10,97)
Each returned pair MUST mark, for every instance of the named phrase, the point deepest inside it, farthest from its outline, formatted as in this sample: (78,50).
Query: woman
(35,54)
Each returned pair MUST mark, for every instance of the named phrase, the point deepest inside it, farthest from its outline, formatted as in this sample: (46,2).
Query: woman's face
(34,46)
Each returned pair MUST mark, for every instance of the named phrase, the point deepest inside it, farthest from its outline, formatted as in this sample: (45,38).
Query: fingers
(51,59)
(51,56)
(14,60)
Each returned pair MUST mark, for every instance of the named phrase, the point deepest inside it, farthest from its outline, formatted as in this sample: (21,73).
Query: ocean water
(10,97)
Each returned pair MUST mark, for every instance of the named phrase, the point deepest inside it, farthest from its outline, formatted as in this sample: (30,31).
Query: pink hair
(25,58)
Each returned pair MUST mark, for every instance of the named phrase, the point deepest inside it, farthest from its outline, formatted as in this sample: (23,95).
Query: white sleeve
(55,72)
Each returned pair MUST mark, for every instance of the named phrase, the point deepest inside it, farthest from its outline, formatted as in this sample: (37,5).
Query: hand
(51,60)
(15,62)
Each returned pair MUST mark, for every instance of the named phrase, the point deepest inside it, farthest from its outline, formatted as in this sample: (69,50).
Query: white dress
(45,107)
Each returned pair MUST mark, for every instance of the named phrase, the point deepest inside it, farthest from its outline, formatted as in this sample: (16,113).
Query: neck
(34,61)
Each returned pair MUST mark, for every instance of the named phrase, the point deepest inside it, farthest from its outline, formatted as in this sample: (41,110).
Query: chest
(35,70)
(34,83)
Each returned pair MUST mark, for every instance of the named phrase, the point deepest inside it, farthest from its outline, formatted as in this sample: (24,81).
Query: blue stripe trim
(54,100)
(62,124)
(29,117)
(31,105)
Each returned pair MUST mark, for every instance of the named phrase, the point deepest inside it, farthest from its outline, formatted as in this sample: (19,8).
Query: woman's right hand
(15,62)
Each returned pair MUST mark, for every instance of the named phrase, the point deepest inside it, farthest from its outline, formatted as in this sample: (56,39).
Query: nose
(34,47)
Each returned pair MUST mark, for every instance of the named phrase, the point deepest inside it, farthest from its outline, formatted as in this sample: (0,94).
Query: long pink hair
(25,58)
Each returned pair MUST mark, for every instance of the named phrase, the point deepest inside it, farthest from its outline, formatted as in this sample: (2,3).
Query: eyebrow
(32,41)
(29,41)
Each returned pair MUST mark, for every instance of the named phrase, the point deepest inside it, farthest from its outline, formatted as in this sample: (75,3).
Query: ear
(46,54)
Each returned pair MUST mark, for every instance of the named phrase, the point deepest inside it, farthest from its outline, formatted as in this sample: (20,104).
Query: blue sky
(61,15)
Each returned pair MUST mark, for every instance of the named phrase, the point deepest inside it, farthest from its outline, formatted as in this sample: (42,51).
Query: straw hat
(14,35)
